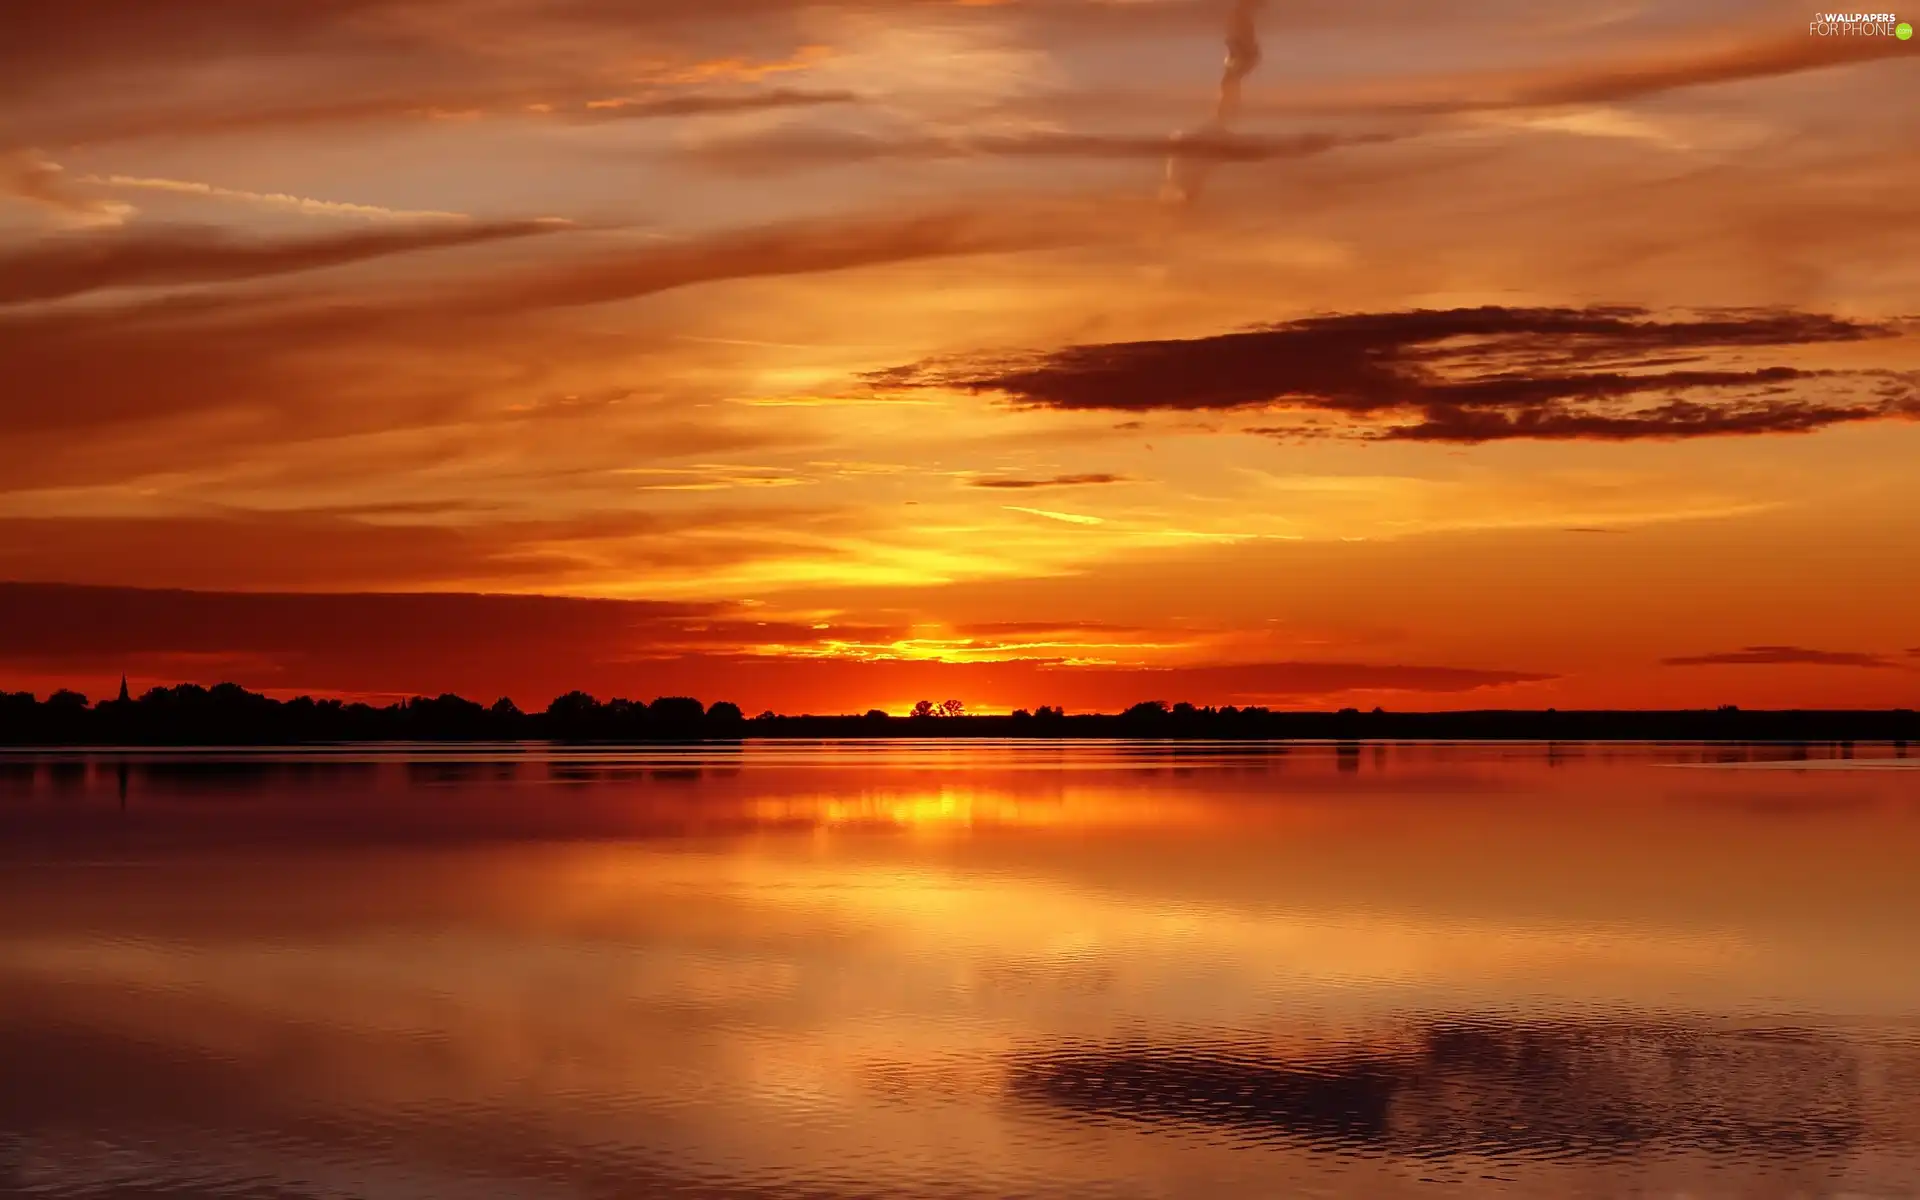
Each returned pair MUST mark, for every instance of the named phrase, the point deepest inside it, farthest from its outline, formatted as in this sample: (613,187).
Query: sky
(831,356)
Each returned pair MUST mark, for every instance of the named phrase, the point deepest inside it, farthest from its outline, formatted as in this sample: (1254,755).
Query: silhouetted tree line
(228,714)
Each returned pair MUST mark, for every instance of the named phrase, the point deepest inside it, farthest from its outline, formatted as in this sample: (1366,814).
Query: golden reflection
(960,808)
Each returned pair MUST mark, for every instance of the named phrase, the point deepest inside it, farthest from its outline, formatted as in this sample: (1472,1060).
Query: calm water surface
(1107,970)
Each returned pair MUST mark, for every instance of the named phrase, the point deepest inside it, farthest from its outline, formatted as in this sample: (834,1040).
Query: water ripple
(1550,1090)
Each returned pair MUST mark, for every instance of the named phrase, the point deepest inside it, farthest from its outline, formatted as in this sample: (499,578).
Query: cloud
(796,149)
(1069,518)
(1066,629)
(151,257)
(276,353)
(51,41)
(565,105)
(1052,481)
(364,642)
(38,181)
(698,104)
(87,38)
(1467,375)
(102,70)
(1275,682)
(713,477)
(304,205)
(59,620)
(379,546)
(1771,656)
(534,647)
(113,68)
(785,248)
(1698,61)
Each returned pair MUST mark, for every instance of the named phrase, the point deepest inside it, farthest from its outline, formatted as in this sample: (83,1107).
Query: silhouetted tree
(574,706)
(1021,714)
(876,714)
(677,711)
(952,708)
(923,709)
(724,712)
(443,716)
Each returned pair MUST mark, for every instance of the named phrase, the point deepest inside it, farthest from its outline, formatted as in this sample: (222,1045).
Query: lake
(961,970)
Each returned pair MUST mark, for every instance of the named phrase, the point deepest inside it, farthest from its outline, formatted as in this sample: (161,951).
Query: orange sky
(824,356)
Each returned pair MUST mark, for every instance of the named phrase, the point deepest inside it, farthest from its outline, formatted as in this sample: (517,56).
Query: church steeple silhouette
(124,698)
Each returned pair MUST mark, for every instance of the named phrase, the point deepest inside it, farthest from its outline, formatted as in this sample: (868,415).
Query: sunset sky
(829,356)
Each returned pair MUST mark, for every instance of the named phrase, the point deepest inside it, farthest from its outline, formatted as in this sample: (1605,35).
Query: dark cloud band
(1773,656)
(1467,375)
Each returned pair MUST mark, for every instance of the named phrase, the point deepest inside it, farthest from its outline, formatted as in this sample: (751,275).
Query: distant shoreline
(229,716)
(455,746)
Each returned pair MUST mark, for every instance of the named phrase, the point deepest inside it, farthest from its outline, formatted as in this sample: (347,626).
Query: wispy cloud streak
(73,264)
(306,206)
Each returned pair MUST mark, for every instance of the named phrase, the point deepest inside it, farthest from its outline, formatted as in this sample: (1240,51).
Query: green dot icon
(1903,31)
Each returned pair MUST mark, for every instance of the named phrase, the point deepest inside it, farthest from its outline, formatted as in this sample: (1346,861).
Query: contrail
(1187,173)
(301,204)
(1243,57)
